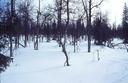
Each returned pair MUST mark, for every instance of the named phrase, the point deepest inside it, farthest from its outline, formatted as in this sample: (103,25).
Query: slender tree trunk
(68,13)
(11,51)
(65,37)
(66,55)
(11,30)
(16,41)
(60,35)
(89,26)
(38,26)
(74,43)
(25,41)
(88,6)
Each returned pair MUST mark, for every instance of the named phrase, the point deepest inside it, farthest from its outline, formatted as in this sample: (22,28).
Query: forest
(66,22)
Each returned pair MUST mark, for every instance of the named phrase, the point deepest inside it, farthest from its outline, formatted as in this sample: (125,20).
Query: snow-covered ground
(46,65)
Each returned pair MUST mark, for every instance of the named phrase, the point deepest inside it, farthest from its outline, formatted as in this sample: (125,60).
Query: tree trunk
(74,43)
(66,55)
(38,26)
(89,26)
(26,39)
(11,30)
(60,35)
(11,51)
(36,43)
(16,41)
(67,13)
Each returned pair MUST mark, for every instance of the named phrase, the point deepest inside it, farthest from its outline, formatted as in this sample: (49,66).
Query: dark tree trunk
(36,43)
(11,48)
(74,43)
(26,39)
(89,26)
(60,35)
(11,30)
(38,26)
(65,53)
(17,41)
(65,37)
(88,6)
(67,13)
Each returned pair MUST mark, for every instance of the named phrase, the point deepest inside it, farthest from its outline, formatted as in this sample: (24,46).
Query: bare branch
(97,4)
(85,9)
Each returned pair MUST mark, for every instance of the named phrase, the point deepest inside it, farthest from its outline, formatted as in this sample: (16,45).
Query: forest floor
(46,65)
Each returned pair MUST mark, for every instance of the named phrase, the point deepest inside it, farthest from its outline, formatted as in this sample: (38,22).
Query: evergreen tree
(101,31)
(125,24)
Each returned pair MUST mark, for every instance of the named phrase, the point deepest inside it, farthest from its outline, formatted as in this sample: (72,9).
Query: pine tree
(125,23)
(101,31)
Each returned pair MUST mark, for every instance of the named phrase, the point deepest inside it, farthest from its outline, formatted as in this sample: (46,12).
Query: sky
(113,8)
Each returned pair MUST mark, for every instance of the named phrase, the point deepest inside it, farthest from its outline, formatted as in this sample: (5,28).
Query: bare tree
(62,42)
(38,26)
(65,37)
(24,10)
(11,24)
(88,7)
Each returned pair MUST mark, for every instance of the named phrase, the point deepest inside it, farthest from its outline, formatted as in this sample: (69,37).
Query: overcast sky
(113,8)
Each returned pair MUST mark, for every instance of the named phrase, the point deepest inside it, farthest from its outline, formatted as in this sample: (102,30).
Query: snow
(46,65)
